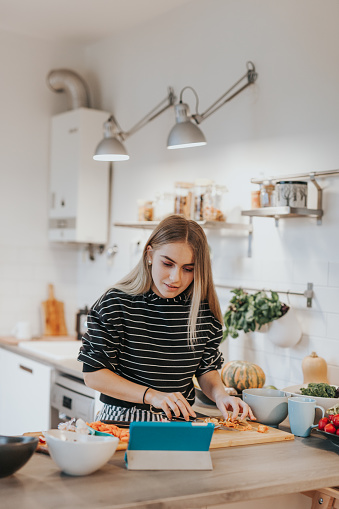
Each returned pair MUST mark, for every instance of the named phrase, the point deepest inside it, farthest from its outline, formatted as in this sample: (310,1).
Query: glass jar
(215,203)
(255,199)
(267,194)
(183,200)
(201,187)
(145,210)
(163,205)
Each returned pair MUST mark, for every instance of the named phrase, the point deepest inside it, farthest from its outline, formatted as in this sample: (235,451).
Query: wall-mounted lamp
(186,133)
(111,147)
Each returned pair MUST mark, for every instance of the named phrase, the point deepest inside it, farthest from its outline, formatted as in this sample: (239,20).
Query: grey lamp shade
(110,149)
(185,134)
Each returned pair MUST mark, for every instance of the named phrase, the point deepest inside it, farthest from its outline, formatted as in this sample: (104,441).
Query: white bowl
(268,405)
(326,403)
(78,454)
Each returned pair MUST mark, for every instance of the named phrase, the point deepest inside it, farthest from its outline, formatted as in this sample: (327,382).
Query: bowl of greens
(325,395)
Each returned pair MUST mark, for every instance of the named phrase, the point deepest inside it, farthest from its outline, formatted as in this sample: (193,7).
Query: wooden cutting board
(54,317)
(234,437)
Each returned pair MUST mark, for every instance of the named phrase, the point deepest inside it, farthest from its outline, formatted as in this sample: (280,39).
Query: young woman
(157,328)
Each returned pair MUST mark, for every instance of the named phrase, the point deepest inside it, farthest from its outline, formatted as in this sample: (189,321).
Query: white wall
(27,261)
(286,123)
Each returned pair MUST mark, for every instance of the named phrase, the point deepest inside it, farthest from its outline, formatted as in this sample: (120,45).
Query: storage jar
(145,210)
(163,205)
(183,200)
(267,195)
(291,194)
(201,188)
(214,203)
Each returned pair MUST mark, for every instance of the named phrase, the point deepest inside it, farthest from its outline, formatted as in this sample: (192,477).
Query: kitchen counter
(239,474)
(70,366)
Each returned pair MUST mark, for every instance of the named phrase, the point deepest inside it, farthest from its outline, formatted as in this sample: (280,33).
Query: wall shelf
(283,212)
(210,225)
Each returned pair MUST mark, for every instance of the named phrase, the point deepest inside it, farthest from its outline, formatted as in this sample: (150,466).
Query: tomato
(322,423)
(330,417)
(329,428)
(337,433)
(335,420)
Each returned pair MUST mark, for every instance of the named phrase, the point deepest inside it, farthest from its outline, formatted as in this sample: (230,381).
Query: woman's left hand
(225,402)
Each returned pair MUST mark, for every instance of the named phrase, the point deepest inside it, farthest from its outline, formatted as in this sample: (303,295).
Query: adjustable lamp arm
(170,100)
(251,77)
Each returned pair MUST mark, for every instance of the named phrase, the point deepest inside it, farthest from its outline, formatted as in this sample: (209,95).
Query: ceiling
(79,21)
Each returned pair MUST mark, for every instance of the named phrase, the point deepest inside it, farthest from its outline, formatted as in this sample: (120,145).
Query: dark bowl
(333,438)
(15,451)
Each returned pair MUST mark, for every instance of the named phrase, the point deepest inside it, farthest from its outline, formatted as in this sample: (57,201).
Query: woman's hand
(225,402)
(171,403)
(213,387)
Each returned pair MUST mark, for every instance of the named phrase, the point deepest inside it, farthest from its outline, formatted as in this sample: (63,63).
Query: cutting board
(54,317)
(234,437)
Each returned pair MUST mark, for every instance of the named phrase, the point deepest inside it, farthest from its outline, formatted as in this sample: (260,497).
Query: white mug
(301,413)
(22,330)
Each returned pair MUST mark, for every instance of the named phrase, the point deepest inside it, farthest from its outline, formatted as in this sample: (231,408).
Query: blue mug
(301,414)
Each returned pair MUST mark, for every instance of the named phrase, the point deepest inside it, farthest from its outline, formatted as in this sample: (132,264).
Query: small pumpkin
(314,369)
(242,375)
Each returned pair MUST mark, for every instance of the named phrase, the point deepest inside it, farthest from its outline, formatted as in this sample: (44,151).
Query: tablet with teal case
(169,446)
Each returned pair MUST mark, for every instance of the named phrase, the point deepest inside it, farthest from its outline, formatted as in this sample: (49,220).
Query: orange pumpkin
(242,375)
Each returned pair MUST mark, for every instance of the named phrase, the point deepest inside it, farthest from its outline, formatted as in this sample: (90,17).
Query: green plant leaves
(247,311)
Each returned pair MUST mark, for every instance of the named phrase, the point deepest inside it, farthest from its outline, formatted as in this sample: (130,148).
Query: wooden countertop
(239,474)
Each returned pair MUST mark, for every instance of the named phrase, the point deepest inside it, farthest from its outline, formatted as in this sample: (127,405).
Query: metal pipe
(64,80)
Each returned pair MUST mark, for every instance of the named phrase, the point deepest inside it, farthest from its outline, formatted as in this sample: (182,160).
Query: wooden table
(239,474)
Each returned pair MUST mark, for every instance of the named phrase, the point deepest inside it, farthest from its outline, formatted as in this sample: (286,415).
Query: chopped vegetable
(320,390)
(111,429)
(333,410)
(262,428)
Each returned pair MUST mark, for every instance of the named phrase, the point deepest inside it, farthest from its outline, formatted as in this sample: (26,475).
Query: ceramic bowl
(270,406)
(15,451)
(77,454)
(326,403)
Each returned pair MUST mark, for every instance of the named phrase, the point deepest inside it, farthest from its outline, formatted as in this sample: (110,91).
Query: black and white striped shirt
(144,339)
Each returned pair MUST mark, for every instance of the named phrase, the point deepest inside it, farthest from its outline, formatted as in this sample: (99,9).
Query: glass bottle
(183,199)
(201,187)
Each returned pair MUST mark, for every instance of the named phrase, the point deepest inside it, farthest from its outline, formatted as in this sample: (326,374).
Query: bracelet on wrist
(143,398)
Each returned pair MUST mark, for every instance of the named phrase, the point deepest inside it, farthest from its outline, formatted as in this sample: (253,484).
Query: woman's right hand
(171,403)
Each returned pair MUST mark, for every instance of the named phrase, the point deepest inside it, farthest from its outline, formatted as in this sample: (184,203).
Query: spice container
(267,195)
(291,194)
(183,199)
(255,199)
(201,188)
(145,210)
(214,203)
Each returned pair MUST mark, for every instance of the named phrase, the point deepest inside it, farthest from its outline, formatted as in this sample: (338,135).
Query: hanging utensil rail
(308,293)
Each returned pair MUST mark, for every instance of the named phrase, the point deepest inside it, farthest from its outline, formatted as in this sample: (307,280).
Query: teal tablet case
(169,446)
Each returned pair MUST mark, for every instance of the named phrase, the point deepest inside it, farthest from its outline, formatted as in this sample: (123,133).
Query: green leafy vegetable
(319,390)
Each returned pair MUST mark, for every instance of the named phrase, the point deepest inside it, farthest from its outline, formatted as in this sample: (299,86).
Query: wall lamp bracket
(186,132)
(111,147)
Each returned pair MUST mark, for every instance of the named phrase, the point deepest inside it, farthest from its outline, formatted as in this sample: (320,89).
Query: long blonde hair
(176,228)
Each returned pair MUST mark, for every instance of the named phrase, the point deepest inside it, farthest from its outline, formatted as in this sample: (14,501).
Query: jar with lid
(145,210)
(163,205)
(267,194)
(183,199)
(215,203)
(291,193)
(201,187)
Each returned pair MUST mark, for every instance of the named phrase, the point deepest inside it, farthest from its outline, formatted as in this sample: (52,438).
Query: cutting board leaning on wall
(54,316)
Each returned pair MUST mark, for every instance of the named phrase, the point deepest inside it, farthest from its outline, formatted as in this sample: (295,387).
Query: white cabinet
(24,394)
(79,186)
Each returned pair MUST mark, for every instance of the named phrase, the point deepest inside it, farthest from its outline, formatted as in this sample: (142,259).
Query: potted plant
(250,312)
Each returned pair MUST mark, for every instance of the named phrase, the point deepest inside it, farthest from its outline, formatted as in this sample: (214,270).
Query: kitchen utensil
(81,322)
(268,405)
(77,454)
(15,451)
(54,319)
(301,413)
